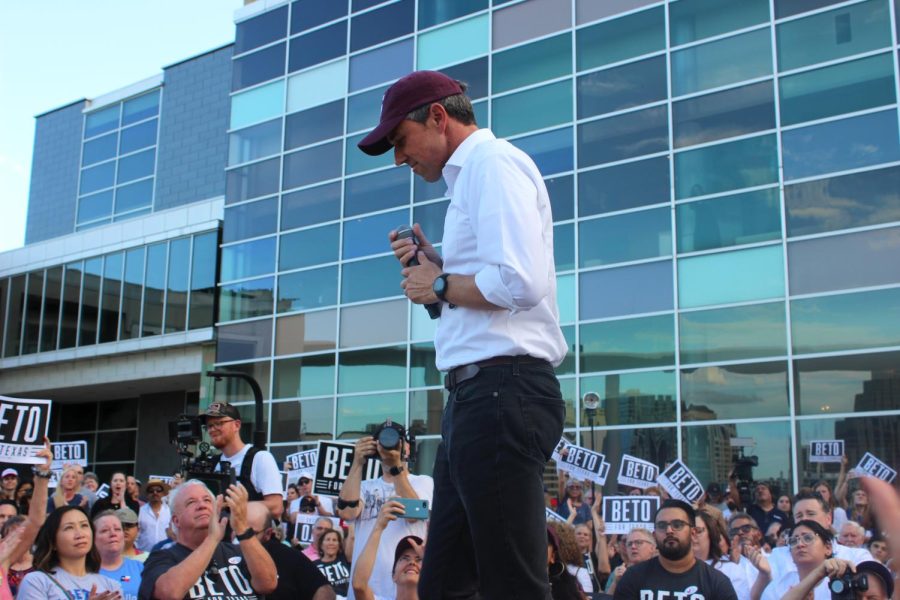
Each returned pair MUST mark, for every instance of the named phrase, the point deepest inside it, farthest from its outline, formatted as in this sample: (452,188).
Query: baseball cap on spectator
(714,489)
(404,96)
(221,409)
(878,569)
(404,545)
(127,516)
(9,472)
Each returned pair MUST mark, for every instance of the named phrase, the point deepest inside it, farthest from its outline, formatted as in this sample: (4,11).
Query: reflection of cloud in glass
(737,391)
(847,321)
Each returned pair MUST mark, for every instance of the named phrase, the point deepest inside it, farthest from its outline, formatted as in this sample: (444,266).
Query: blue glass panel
(733,165)
(374,27)
(369,235)
(318,85)
(841,145)
(257,67)
(376,191)
(383,64)
(307,289)
(622,87)
(318,46)
(314,125)
(562,197)
(309,13)
(310,206)
(623,186)
(248,259)
(364,110)
(622,38)
(250,220)
(535,108)
(722,62)
(564,246)
(133,196)
(138,136)
(730,221)
(257,105)
(628,344)
(626,290)
(473,73)
(623,136)
(246,299)
(736,276)
(94,206)
(98,149)
(431,217)
(140,108)
(730,113)
(733,333)
(370,279)
(692,20)
(252,181)
(532,63)
(254,142)
(136,166)
(99,177)
(101,121)
(261,30)
(432,12)
(358,161)
(308,247)
(453,43)
(551,151)
(846,321)
(312,165)
(631,236)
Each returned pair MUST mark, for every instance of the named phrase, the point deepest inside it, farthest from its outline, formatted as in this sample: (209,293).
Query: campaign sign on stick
(681,483)
(333,465)
(623,513)
(23,425)
(637,473)
(301,464)
(873,467)
(102,491)
(303,526)
(69,453)
(167,479)
(604,471)
(579,462)
(826,451)
(553,516)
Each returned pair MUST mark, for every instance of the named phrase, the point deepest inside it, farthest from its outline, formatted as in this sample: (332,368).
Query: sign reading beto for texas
(23,425)
(681,483)
(333,466)
(580,462)
(826,451)
(873,467)
(69,453)
(637,473)
(623,513)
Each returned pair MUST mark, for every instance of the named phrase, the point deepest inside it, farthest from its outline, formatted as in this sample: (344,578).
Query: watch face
(440,286)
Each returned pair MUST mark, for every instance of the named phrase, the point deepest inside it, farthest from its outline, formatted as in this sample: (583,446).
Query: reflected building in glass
(725,184)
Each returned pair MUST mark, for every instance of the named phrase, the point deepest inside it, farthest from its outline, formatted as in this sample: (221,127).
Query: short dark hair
(10,523)
(11,503)
(824,534)
(680,504)
(811,495)
(458,107)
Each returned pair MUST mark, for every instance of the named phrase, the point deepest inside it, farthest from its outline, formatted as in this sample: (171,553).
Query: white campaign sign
(681,483)
(636,472)
(303,526)
(579,462)
(69,453)
(23,425)
(826,451)
(301,464)
(554,516)
(873,467)
(623,513)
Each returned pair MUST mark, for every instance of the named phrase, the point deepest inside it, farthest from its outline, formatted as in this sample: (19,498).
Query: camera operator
(256,469)
(361,501)
(868,580)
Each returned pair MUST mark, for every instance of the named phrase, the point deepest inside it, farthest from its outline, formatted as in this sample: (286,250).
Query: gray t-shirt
(38,585)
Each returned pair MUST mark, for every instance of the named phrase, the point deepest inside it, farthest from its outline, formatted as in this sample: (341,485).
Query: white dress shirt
(153,527)
(782,563)
(499,229)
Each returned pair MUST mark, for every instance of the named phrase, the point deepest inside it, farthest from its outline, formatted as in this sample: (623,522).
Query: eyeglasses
(700,529)
(155,491)
(308,509)
(742,530)
(806,538)
(676,525)
(129,525)
(217,424)
(636,543)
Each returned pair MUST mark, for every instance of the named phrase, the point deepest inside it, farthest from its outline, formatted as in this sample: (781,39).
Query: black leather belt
(462,373)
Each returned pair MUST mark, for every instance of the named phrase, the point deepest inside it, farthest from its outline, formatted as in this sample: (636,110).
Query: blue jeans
(488,533)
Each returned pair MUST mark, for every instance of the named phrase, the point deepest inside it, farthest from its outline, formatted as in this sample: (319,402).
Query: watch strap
(248,533)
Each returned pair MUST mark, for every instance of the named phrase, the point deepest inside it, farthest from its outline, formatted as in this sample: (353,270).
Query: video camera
(848,585)
(743,473)
(187,432)
(390,435)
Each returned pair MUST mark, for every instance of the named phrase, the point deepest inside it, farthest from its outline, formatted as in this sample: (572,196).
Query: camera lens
(837,586)
(389,438)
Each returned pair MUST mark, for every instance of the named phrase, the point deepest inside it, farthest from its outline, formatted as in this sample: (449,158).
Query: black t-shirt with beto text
(650,581)
(225,578)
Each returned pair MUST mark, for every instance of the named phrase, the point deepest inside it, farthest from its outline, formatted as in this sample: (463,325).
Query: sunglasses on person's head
(676,525)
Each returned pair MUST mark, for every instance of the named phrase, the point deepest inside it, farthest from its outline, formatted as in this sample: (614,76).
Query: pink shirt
(310,552)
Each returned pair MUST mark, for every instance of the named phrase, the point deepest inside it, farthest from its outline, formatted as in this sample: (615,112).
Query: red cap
(407,94)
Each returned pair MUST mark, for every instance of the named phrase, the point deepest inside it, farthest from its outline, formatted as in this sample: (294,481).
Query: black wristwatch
(249,533)
(439,287)
(395,470)
(42,474)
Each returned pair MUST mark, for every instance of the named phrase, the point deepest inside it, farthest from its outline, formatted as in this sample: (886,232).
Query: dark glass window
(309,13)
(364,110)
(624,186)
(628,290)
(786,8)
(138,136)
(311,206)
(370,279)
(370,370)
(257,67)
(307,289)
(621,87)
(78,417)
(116,445)
(628,344)
(432,12)
(729,166)
(261,30)
(95,206)
(252,181)
(254,142)
(99,149)
(731,113)
(431,217)
(368,235)
(309,247)
(132,292)
(110,297)
(31,331)
(392,21)
(154,290)
(532,63)
(14,316)
(203,280)
(307,376)
(318,46)
(619,39)
(551,151)
(244,341)
(624,136)
(248,259)
(376,191)
(381,64)
(708,447)
(564,246)
(633,398)
(52,298)
(314,125)
(312,165)
(842,202)
(304,420)
(140,108)
(722,62)
(68,332)
(622,238)
(846,384)
(562,196)
(90,302)
(730,221)
(250,220)
(473,73)
(136,166)
(134,196)
(246,299)
(177,287)
(97,178)
(692,20)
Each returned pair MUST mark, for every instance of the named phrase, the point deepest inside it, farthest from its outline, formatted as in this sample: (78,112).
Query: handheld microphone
(404,232)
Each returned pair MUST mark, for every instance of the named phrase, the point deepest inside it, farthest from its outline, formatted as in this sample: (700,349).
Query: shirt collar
(461,154)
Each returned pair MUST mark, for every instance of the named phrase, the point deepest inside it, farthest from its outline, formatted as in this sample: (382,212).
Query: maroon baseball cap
(404,545)
(407,94)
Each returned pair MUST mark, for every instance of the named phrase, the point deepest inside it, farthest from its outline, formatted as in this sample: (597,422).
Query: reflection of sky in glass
(707,449)
(831,385)
(355,414)
(737,391)
(847,321)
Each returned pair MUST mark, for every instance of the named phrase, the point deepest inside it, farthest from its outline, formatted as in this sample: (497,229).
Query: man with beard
(675,573)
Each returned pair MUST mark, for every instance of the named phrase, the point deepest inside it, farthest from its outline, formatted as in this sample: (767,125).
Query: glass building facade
(725,182)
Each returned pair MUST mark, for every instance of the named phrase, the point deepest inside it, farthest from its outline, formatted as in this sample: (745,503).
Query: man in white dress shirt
(498,340)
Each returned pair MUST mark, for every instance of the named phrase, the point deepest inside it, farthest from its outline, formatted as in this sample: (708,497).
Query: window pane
(532,63)
(729,166)
(843,202)
(95,206)
(656,445)
(118,415)
(565,297)
(623,186)
(431,218)
(619,39)
(254,142)
(371,370)
(248,259)
(370,279)
(735,276)
(307,332)
(246,299)
(626,290)
(735,391)
(369,235)
(110,297)
(564,246)
(731,113)
(311,206)
(529,20)
(425,410)
(833,34)
(261,30)
(256,105)
(722,62)
(134,196)
(314,125)
(693,20)
(422,371)
(14,314)
(432,12)
(250,220)
(846,321)
(380,25)
(68,327)
(252,181)
(360,415)
(622,87)
(628,344)
(623,238)
(99,149)
(307,376)
(307,289)
(244,341)
(154,290)
(733,333)
(707,448)
(839,145)
(532,109)
(90,302)
(381,65)
(140,108)
(376,191)
(101,121)
(786,8)
(309,13)
(97,178)
(132,292)
(138,136)
(234,390)
(309,247)
(633,398)
(312,165)
(843,88)
(318,46)
(50,320)
(562,196)
(729,221)
(551,151)
(177,289)
(364,110)
(473,73)
(257,67)
(116,445)
(453,43)
(359,161)
(203,280)
(319,85)
(136,166)
(846,384)
(845,261)
(371,324)
(623,136)
(32,318)
(304,420)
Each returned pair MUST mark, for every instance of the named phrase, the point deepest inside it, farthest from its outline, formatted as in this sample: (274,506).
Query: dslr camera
(848,585)
(391,436)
